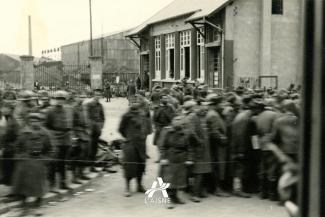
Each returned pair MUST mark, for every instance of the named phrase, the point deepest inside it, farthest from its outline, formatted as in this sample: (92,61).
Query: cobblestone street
(107,198)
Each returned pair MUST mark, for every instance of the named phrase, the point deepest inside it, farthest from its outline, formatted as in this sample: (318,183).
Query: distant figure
(138,83)
(131,91)
(107,89)
(37,85)
(146,81)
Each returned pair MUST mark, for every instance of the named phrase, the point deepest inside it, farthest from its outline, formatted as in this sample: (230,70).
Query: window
(170,55)
(277,6)
(200,55)
(215,35)
(157,56)
(185,39)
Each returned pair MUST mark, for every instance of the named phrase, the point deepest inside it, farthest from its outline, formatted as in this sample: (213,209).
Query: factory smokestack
(30,53)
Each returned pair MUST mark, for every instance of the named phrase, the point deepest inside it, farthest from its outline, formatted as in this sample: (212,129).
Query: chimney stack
(30,53)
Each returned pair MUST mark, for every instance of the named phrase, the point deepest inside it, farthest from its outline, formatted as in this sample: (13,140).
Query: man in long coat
(34,149)
(95,112)
(218,142)
(133,127)
(10,132)
(243,146)
(81,139)
(176,154)
(285,136)
(59,122)
(199,140)
(162,117)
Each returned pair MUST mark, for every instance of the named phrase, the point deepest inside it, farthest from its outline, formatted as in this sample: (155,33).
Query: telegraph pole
(91,32)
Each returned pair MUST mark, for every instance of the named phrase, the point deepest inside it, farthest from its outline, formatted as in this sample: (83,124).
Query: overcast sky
(59,22)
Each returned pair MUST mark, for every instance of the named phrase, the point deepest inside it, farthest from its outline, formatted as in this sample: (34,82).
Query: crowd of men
(214,142)
(209,142)
(43,134)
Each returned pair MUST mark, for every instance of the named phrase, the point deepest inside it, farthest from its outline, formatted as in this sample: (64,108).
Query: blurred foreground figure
(10,131)
(244,145)
(33,150)
(134,128)
(81,148)
(176,155)
(24,107)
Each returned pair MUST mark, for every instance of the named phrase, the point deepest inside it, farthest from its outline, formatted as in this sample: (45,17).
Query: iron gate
(58,76)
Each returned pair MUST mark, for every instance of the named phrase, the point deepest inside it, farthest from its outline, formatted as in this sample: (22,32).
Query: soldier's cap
(43,95)
(174,87)
(35,116)
(9,95)
(156,87)
(289,105)
(25,95)
(82,95)
(256,104)
(214,99)
(189,104)
(61,94)
(240,89)
(247,99)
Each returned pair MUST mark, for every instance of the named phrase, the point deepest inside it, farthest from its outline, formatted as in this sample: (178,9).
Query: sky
(59,22)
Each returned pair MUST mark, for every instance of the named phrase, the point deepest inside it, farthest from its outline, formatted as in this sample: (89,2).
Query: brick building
(223,43)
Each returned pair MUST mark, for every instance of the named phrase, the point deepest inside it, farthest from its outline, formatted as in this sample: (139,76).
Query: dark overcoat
(218,141)
(176,148)
(199,140)
(133,127)
(34,149)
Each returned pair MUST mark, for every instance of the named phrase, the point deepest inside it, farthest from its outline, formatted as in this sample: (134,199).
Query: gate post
(96,72)
(27,72)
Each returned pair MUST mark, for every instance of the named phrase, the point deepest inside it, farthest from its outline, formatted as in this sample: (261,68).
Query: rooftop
(195,9)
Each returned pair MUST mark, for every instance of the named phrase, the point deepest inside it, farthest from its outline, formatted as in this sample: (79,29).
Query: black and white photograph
(162,108)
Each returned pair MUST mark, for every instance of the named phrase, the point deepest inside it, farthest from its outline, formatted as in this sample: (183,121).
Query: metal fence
(58,76)
(120,77)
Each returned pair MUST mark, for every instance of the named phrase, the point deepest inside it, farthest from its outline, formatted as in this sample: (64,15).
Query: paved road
(107,200)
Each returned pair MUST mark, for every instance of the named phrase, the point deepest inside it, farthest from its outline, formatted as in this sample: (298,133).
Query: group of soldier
(214,142)
(42,134)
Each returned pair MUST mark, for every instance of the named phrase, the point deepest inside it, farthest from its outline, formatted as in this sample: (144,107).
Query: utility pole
(91,32)
(30,49)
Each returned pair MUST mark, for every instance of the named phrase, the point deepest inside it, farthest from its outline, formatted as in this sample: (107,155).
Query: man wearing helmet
(59,122)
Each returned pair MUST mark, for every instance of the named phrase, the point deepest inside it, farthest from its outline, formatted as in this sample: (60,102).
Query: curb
(51,197)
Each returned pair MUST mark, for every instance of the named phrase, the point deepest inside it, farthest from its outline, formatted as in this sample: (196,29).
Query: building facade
(53,54)
(118,54)
(222,43)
